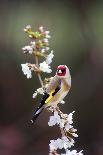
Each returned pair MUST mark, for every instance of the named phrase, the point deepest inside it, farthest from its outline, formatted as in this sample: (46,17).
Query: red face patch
(61,70)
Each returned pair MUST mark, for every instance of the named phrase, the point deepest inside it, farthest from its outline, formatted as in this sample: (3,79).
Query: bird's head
(63,71)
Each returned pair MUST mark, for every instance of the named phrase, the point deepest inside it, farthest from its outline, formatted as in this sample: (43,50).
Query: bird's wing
(53,84)
(53,87)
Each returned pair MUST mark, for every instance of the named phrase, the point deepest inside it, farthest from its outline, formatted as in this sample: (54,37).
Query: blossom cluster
(39,47)
(64,122)
(38,91)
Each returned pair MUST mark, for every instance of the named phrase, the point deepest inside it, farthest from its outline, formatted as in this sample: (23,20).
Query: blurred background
(77,38)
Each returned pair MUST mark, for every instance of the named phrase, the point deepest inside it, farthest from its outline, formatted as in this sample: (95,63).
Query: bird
(56,90)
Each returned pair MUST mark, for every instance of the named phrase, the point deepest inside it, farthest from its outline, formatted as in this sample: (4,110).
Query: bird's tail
(40,107)
(36,114)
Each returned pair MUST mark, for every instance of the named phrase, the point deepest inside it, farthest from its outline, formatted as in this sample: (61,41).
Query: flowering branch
(38,73)
(39,47)
(64,122)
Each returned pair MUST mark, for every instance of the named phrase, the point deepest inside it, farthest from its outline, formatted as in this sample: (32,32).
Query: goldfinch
(56,90)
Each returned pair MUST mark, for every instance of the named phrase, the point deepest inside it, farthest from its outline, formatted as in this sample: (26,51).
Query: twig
(38,74)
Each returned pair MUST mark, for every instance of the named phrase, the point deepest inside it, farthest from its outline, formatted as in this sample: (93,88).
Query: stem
(38,74)
(62,132)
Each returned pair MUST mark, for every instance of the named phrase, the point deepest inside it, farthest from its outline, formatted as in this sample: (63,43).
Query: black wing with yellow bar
(48,96)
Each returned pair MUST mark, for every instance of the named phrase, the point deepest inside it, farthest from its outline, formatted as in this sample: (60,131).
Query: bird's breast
(65,85)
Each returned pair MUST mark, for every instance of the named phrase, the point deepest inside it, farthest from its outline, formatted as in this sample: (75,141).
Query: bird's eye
(59,71)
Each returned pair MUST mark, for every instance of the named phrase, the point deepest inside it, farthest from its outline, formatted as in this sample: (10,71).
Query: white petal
(43,50)
(26,70)
(62,122)
(45,67)
(35,94)
(47,32)
(41,29)
(59,143)
(48,36)
(53,145)
(28,27)
(67,126)
(74,134)
(28,49)
(49,58)
(32,44)
(62,102)
(52,121)
(70,118)
(45,40)
(40,90)
(57,117)
(47,48)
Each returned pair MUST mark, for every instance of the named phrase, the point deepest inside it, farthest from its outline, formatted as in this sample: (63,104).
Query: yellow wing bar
(50,96)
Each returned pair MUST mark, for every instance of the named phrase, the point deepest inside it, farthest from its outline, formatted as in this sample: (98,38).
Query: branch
(38,73)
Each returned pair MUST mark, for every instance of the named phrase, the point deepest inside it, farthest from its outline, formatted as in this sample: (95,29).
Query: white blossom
(26,70)
(69,122)
(71,142)
(67,143)
(54,119)
(62,122)
(62,102)
(74,130)
(67,126)
(46,40)
(28,49)
(74,134)
(32,44)
(70,118)
(49,58)
(53,145)
(47,48)
(40,91)
(43,50)
(73,152)
(41,29)
(60,143)
(27,28)
(30,36)
(47,34)
(35,94)
(45,67)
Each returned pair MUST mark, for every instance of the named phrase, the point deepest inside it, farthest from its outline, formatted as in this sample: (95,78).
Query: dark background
(77,38)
